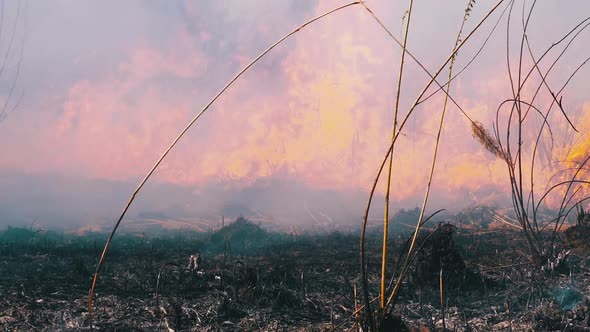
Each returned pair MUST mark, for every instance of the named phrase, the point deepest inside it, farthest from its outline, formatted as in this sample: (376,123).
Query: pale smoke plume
(308,126)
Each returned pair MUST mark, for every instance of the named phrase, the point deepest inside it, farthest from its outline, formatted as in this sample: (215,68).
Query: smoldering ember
(295,165)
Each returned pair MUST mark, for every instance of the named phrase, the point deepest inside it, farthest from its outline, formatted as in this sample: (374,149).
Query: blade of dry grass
(388,188)
(6,107)
(473,58)
(434,156)
(162,269)
(188,126)
(442,298)
(418,62)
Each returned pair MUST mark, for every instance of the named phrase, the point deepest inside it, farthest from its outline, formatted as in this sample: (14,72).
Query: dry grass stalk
(419,223)
(393,132)
(442,298)
(408,259)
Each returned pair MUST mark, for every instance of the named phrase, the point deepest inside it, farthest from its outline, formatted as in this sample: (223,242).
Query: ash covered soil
(249,279)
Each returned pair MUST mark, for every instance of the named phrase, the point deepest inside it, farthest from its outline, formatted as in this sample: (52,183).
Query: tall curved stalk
(188,126)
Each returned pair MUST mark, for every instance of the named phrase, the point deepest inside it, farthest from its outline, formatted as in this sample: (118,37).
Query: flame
(320,110)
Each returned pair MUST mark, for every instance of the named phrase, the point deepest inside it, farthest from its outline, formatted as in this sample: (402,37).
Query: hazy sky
(107,85)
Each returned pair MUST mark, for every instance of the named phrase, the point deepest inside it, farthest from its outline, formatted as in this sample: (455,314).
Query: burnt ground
(250,279)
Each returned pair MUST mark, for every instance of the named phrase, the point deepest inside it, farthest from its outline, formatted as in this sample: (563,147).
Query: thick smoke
(297,140)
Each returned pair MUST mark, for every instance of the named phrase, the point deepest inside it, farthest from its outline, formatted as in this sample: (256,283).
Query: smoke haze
(297,141)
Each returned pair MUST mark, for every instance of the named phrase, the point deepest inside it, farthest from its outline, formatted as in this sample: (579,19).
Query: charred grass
(282,282)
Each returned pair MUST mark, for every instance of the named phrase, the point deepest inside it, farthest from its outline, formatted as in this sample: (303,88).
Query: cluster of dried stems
(509,150)
(513,143)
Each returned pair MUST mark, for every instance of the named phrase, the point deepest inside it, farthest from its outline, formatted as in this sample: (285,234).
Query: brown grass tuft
(486,140)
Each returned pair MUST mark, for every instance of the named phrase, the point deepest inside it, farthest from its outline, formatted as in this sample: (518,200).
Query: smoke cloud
(298,140)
